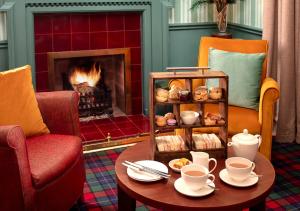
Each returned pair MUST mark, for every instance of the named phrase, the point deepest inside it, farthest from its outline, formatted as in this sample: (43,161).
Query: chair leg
(78,203)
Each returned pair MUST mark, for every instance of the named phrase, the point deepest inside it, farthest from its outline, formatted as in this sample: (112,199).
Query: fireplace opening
(88,79)
(101,78)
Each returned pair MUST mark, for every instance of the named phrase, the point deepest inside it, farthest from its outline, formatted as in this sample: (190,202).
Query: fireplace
(87,32)
(101,77)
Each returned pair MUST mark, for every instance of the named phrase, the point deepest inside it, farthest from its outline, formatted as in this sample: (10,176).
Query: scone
(215,93)
(161,121)
(181,162)
(161,95)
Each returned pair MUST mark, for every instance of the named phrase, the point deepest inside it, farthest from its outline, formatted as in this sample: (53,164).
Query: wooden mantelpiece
(124,78)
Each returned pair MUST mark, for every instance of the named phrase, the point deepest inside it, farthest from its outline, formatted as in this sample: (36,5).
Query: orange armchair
(257,122)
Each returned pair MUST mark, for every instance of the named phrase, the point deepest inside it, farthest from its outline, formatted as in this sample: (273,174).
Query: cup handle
(211,177)
(215,161)
(253,166)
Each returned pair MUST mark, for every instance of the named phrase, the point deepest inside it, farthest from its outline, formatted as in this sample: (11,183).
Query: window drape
(281,27)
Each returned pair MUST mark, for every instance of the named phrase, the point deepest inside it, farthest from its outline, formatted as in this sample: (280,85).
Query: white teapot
(245,144)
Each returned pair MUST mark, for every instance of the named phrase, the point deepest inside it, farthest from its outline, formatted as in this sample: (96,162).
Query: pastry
(208,121)
(161,99)
(171,122)
(181,162)
(161,95)
(161,121)
(169,116)
(162,92)
(174,92)
(215,93)
(212,119)
(201,93)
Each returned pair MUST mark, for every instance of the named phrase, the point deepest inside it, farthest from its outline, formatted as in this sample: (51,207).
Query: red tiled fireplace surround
(59,32)
(63,32)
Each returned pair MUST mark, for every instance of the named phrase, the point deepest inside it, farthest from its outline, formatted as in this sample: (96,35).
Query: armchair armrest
(268,96)
(59,110)
(15,178)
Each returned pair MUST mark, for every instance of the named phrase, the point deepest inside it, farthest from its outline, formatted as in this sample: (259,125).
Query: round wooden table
(162,194)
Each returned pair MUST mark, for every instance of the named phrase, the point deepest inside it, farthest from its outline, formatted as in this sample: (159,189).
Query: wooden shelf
(188,77)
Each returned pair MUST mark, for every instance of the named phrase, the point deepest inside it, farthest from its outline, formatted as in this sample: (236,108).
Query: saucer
(181,187)
(246,183)
(143,176)
(171,165)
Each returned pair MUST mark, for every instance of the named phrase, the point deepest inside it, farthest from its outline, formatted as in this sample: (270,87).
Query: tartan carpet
(100,192)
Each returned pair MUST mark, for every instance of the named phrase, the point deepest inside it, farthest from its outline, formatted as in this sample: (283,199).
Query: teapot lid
(245,137)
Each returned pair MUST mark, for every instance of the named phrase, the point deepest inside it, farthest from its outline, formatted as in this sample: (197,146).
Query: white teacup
(195,176)
(238,168)
(202,158)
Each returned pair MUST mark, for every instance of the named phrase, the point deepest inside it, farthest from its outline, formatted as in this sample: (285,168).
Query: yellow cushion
(18,105)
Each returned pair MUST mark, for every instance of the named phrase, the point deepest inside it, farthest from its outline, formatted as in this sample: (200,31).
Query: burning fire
(80,76)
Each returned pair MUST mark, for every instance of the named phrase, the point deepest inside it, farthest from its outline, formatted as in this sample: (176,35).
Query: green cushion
(244,71)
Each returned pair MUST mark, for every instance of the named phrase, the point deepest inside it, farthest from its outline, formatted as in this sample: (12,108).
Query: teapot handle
(259,139)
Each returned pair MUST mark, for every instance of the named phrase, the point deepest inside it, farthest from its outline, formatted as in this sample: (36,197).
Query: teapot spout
(229,144)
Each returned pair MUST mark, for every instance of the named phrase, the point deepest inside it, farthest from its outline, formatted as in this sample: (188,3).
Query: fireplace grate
(94,101)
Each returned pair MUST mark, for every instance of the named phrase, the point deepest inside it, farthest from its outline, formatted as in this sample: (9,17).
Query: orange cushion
(18,105)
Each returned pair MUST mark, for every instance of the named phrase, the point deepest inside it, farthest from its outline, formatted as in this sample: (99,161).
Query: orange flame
(81,76)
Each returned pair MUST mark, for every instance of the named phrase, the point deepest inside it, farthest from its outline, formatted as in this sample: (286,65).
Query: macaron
(171,122)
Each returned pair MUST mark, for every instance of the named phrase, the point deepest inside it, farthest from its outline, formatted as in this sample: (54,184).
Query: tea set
(196,177)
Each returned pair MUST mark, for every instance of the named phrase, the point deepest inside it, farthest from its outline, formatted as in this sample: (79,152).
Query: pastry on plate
(215,93)
(201,93)
(174,92)
(171,122)
(169,116)
(161,95)
(160,121)
(181,162)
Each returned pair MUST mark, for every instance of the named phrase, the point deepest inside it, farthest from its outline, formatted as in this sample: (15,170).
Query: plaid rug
(100,192)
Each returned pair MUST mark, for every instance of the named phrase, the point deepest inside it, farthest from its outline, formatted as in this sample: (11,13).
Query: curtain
(281,27)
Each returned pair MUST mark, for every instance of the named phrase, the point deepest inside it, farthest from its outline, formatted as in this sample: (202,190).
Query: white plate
(252,180)
(181,187)
(144,176)
(171,165)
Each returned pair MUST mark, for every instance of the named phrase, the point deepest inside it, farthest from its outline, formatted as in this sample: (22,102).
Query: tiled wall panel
(89,31)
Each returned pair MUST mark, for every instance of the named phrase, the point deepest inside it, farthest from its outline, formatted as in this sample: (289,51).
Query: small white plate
(252,180)
(182,188)
(171,165)
(145,176)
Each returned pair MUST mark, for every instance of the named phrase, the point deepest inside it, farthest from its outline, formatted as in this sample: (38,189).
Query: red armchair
(43,172)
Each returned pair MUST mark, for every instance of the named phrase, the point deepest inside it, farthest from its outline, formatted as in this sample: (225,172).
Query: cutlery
(147,169)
